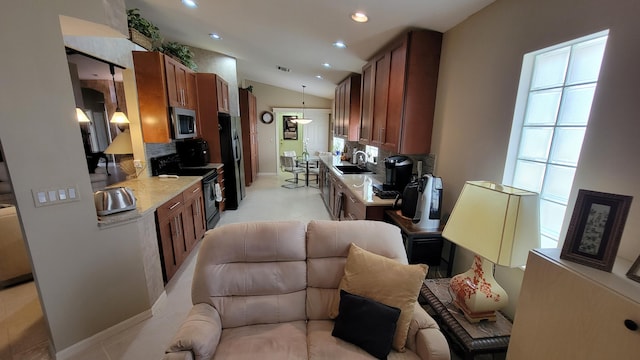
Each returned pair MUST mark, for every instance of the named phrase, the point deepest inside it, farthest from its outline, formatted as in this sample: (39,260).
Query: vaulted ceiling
(298,34)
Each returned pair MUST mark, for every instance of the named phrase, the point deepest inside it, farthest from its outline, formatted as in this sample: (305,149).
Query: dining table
(307,162)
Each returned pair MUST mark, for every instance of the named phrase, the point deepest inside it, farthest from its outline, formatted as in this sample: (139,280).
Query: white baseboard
(159,303)
(97,339)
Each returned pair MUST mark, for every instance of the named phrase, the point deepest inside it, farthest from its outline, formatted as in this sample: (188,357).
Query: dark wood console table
(425,247)
(485,337)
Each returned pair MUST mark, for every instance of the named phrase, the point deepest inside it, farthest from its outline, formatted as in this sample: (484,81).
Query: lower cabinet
(180,224)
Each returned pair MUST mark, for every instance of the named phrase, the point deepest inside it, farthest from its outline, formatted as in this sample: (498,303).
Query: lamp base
(476,292)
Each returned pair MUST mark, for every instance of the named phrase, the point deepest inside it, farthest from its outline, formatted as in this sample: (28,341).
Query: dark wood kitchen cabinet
(398,93)
(161,82)
(249,120)
(180,225)
(208,89)
(223,94)
(347,108)
(194,215)
(181,84)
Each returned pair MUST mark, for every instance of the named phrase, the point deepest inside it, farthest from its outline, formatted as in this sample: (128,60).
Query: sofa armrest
(425,338)
(199,334)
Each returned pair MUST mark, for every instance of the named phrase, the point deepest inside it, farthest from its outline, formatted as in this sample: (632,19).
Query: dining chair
(288,164)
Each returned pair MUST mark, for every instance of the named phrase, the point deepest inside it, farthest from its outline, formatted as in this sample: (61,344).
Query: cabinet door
(223,94)
(380,96)
(173,91)
(191,94)
(167,232)
(194,221)
(354,209)
(366,116)
(395,101)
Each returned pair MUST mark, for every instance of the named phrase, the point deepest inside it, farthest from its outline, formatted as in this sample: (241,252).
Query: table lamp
(121,145)
(500,224)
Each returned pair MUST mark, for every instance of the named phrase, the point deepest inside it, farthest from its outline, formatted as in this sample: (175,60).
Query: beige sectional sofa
(264,290)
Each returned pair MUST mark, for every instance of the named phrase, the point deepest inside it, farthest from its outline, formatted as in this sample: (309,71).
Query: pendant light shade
(304,120)
(118,117)
(81,116)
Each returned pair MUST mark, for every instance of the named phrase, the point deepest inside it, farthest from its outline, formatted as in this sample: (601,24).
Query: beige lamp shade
(121,144)
(498,222)
(119,118)
(82,117)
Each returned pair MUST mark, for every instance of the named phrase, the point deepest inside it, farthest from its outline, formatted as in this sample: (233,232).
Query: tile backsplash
(428,160)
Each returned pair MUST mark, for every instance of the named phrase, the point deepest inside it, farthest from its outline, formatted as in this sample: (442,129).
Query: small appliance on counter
(398,171)
(193,152)
(429,203)
(114,200)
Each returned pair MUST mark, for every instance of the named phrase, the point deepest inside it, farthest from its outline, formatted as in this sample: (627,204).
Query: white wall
(88,279)
(479,74)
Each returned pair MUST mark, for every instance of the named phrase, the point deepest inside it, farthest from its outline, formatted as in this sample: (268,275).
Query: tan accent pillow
(386,281)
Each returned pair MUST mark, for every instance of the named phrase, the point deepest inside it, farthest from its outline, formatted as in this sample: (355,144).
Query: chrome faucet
(364,155)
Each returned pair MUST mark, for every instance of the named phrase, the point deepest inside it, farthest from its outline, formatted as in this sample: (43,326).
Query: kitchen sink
(351,169)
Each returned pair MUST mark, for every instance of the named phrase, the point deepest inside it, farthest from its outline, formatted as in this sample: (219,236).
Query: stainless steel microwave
(184,123)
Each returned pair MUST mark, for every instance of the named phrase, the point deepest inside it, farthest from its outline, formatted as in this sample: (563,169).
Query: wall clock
(266,117)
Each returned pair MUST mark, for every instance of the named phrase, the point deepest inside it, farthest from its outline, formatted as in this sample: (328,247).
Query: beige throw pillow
(386,281)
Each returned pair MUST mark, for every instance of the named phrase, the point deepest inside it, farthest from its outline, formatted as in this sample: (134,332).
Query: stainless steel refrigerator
(231,152)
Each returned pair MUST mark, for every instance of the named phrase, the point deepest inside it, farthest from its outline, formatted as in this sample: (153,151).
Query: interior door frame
(309,113)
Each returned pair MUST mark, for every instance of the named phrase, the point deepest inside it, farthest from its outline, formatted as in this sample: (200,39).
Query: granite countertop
(150,193)
(361,185)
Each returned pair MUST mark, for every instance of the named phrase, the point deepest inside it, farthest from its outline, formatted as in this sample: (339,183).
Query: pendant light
(304,120)
(118,117)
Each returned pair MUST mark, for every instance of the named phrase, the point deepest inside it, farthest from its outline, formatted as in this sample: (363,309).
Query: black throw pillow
(366,323)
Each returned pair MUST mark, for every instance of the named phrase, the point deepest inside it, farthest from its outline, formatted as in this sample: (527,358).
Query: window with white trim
(557,86)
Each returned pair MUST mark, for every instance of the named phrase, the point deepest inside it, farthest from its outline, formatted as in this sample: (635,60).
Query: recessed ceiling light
(215,36)
(319,77)
(340,44)
(327,65)
(359,17)
(190,3)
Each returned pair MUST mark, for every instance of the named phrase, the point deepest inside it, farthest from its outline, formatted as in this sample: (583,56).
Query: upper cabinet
(347,108)
(181,85)
(398,93)
(210,92)
(223,94)
(161,83)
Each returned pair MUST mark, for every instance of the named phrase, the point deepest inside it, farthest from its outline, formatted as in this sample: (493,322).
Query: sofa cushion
(328,245)
(253,273)
(268,341)
(367,323)
(324,346)
(387,281)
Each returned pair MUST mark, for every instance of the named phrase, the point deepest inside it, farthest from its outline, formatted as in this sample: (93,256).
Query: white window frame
(524,90)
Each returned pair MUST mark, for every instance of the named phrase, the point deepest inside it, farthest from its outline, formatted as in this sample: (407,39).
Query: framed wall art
(289,127)
(595,229)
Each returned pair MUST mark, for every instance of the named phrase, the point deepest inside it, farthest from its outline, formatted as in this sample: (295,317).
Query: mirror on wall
(98,91)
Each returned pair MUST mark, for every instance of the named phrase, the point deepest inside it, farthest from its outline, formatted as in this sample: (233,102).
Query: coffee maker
(398,171)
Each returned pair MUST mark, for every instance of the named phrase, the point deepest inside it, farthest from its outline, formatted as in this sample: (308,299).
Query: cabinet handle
(195,190)
(174,205)
(631,325)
